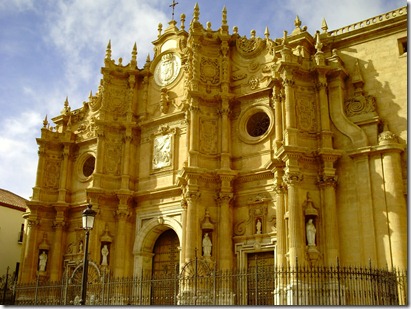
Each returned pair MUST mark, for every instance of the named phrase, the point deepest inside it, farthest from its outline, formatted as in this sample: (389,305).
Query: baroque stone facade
(288,148)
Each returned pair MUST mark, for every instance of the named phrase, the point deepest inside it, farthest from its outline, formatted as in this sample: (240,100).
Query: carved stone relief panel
(115,102)
(306,111)
(52,171)
(210,70)
(163,148)
(208,136)
(162,151)
(112,155)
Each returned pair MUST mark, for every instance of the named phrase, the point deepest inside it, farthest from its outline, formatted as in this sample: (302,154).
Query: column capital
(224,197)
(327,181)
(293,178)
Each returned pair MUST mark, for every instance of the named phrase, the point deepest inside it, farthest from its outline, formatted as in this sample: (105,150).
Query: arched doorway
(166,259)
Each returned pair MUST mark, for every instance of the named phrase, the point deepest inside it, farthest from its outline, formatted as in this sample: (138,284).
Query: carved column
(29,255)
(191,228)
(225,135)
(121,248)
(40,169)
(366,212)
(225,232)
(99,157)
(280,213)
(125,175)
(327,185)
(63,175)
(296,240)
(184,206)
(396,207)
(326,134)
(289,105)
(194,142)
(56,259)
(278,99)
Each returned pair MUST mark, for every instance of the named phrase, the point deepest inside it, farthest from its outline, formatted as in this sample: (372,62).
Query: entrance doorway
(260,283)
(166,260)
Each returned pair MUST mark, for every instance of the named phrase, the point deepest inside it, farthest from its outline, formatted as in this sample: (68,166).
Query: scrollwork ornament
(240,228)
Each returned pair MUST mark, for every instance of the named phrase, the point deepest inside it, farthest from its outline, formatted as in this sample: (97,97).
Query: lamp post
(88,222)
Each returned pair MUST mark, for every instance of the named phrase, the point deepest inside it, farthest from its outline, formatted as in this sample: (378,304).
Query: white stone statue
(258,226)
(310,231)
(43,261)
(104,253)
(207,245)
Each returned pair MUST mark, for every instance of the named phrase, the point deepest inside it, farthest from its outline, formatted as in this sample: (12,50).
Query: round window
(258,124)
(255,123)
(88,166)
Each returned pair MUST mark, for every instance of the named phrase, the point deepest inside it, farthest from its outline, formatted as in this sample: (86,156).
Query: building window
(21,233)
(85,166)
(402,46)
(258,124)
(88,167)
(255,123)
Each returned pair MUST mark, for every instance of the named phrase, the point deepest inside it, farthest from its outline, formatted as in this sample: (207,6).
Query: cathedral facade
(227,148)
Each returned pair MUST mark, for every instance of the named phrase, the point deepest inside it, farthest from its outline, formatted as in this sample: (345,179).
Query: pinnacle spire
(266,32)
(108,50)
(133,61)
(324,26)
(224,16)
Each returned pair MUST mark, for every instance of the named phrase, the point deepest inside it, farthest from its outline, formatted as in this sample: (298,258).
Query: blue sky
(53,49)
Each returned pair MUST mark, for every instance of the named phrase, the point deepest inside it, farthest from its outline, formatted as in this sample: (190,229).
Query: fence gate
(94,286)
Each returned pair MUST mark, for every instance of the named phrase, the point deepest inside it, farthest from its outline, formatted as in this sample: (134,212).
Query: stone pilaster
(280,214)
(295,218)
(192,228)
(327,185)
(225,232)
(56,259)
(121,248)
(278,98)
(29,255)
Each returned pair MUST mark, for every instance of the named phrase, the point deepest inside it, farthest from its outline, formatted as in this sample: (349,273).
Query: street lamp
(88,222)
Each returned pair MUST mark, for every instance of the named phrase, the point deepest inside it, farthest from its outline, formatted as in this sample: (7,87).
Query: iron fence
(266,285)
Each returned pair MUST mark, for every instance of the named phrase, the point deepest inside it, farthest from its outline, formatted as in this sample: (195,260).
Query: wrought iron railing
(259,286)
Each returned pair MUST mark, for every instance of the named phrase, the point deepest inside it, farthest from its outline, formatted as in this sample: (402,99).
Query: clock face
(167,69)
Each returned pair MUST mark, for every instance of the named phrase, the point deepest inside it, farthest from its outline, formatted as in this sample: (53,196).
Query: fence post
(339,286)
(296,278)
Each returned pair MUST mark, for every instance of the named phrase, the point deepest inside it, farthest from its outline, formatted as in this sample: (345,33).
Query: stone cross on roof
(173,5)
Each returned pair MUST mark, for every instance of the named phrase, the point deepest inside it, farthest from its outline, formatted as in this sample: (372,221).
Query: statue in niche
(104,254)
(258,227)
(310,232)
(43,261)
(207,245)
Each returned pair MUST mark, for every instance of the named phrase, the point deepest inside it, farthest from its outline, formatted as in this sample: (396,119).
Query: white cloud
(80,30)
(19,151)
(16,5)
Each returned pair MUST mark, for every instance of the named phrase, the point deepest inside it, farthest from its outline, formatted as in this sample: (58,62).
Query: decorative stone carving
(162,151)
(306,109)
(210,70)
(249,47)
(208,136)
(167,69)
(52,172)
